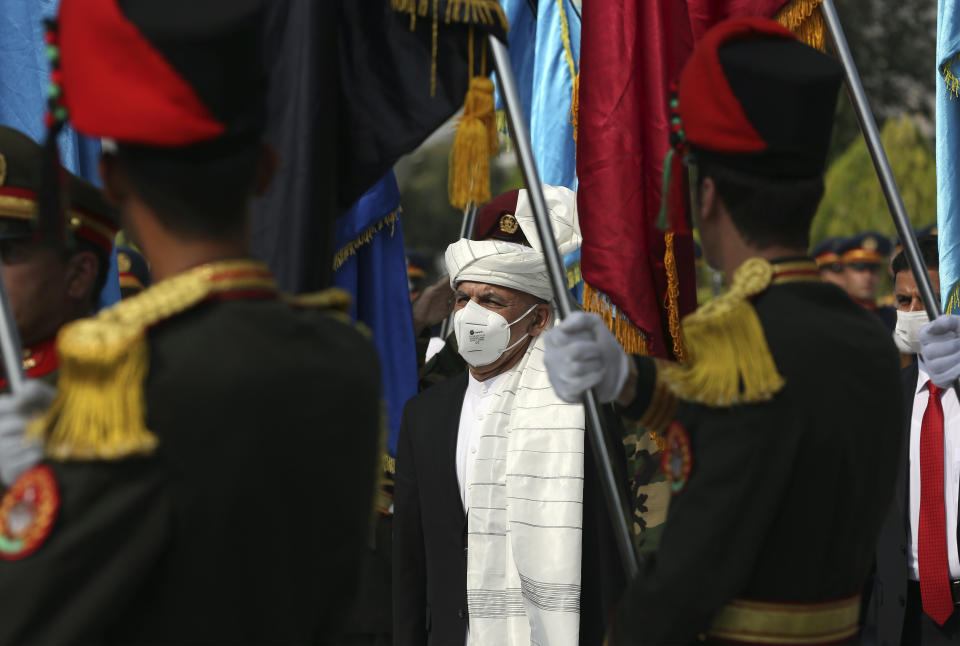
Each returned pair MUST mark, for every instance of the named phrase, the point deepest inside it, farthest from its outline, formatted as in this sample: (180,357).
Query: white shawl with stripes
(526,514)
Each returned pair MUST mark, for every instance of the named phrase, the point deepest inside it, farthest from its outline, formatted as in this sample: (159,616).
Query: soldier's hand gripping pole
(558,278)
(868,126)
(10,342)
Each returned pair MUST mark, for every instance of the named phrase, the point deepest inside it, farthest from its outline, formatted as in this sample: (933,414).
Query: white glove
(940,349)
(581,353)
(17,454)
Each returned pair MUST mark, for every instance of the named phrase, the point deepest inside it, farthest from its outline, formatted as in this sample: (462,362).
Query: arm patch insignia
(27,513)
(677,457)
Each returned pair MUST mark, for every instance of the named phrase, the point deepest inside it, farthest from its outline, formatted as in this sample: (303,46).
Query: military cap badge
(27,513)
(508,223)
(870,243)
(677,458)
(123,262)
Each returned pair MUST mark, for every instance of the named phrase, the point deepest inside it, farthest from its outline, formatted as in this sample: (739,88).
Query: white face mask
(907,333)
(482,335)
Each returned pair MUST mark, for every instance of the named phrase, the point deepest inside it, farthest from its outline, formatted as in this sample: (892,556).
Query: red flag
(639,279)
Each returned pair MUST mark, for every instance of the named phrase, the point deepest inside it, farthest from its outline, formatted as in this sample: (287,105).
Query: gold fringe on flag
(365,237)
(953,83)
(953,301)
(672,304)
(484,12)
(804,19)
(726,348)
(503,130)
(632,338)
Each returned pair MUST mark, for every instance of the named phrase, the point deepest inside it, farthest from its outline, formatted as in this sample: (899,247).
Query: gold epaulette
(728,360)
(99,412)
(334,299)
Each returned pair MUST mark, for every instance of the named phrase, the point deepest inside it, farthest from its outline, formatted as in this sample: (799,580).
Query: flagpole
(10,346)
(871,135)
(558,278)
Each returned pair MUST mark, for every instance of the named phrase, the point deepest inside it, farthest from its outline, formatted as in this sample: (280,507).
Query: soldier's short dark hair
(928,251)
(767,212)
(200,191)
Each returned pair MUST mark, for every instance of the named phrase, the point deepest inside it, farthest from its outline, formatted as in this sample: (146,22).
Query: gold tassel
(726,347)
(672,304)
(100,411)
(633,340)
(473,145)
(804,19)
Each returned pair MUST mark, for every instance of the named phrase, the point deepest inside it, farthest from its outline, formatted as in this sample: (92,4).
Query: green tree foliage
(853,201)
(894,46)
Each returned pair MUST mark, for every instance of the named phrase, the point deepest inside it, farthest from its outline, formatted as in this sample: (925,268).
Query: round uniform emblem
(123,262)
(27,513)
(677,458)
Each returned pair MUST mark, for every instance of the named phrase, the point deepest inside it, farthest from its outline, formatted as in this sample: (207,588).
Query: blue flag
(24,77)
(371,264)
(948,151)
(545,53)
(544,40)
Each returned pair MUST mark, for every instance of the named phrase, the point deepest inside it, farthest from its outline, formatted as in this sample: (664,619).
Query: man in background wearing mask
(911,315)
(918,569)
(498,529)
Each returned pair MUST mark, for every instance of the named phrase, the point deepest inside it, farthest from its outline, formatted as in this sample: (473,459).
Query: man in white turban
(499,531)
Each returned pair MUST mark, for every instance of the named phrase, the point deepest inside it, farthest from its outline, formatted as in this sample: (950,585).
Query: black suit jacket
(889,596)
(430,528)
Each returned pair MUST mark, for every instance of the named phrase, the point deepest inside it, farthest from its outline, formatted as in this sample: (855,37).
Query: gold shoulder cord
(726,347)
(99,411)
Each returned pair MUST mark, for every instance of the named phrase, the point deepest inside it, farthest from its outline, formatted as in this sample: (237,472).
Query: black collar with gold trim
(797,269)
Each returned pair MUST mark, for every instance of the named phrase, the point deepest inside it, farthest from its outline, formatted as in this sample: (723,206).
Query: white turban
(509,264)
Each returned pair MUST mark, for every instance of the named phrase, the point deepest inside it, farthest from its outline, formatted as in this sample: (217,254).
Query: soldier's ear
(708,199)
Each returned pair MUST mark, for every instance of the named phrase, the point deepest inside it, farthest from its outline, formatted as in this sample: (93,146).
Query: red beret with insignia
(496,221)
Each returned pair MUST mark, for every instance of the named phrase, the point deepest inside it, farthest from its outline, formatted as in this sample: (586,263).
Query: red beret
(495,220)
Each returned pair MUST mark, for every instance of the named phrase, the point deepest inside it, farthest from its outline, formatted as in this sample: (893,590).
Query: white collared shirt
(476,403)
(951,472)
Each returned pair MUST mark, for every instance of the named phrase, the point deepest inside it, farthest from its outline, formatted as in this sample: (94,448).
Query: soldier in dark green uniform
(782,430)
(211,452)
(49,285)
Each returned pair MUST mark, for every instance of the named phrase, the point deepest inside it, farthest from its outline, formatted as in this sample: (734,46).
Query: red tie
(934,567)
